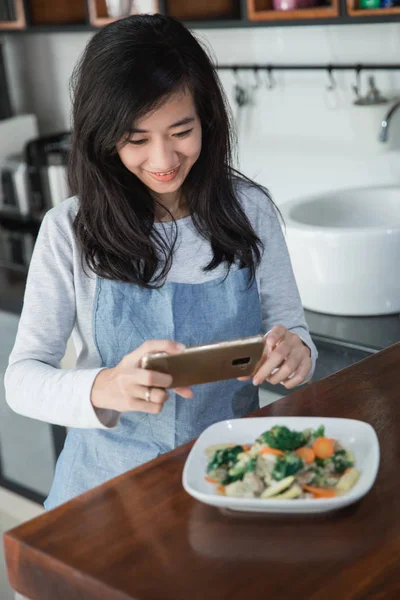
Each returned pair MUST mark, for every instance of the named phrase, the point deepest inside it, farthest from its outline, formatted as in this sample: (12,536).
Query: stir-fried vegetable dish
(283,464)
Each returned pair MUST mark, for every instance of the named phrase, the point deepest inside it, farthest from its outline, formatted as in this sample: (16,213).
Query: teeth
(167,173)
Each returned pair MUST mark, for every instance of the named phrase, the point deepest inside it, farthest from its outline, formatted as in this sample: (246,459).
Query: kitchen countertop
(141,536)
(366,333)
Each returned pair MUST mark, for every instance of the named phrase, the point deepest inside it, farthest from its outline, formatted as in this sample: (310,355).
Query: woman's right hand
(124,387)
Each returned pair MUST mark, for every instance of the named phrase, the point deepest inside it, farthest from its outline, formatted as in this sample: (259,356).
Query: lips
(166,176)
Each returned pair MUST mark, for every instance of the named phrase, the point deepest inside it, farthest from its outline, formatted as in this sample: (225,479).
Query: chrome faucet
(383,133)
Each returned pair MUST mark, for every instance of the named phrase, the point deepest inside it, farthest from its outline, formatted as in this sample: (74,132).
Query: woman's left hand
(286,359)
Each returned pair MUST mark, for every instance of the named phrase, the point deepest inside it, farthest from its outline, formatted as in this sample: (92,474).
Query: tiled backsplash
(297,138)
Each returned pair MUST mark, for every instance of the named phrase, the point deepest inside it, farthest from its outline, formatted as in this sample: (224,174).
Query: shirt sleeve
(279,295)
(35,385)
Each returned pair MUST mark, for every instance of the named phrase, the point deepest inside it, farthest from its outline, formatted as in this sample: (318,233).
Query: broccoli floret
(240,470)
(320,432)
(281,438)
(341,461)
(226,457)
(320,478)
(286,465)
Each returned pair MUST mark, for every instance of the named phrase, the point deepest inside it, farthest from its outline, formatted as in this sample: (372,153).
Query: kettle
(46,160)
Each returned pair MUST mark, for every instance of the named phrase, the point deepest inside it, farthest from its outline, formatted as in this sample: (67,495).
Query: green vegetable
(226,457)
(320,478)
(286,465)
(341,461)
(239,470)
(320,432)
(281,438)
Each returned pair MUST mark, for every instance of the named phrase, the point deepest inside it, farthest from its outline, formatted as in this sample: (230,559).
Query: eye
(137,142)
(182,134)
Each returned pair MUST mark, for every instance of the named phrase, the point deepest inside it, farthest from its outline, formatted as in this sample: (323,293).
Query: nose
(162,157)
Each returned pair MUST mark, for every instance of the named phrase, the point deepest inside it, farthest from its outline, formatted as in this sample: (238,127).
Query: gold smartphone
(210,362)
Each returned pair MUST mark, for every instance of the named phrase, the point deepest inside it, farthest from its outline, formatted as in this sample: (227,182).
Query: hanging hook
(257,79)
(241,96)
(271,81)
(357,86)
(236,75)
(332,83)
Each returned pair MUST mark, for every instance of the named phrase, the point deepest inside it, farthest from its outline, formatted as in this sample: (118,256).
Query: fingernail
(180,346)
(255,381)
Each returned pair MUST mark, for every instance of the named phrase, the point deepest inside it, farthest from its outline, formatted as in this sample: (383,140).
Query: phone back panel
(214,362)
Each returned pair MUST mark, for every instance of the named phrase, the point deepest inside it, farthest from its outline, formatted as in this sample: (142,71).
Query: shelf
(102,21)
(20,22)
(263,10)
(193,10)
(57,13)
(354,11)
(42,14)
(46,16)
(98,15)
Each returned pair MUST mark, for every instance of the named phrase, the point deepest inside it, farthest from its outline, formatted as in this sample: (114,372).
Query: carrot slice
(306,454)
(267,450)
(323,448)
(211,480)
(221,490)
(246,447)
(319,492)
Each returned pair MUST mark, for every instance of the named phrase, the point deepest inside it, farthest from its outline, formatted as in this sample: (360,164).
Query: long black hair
(129,68)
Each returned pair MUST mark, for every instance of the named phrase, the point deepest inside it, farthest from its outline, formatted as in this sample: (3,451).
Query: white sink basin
(345,250)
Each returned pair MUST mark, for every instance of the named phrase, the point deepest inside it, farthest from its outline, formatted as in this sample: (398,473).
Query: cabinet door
(27,450)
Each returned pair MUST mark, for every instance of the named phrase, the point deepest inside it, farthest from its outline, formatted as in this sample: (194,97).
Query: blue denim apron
(124,317)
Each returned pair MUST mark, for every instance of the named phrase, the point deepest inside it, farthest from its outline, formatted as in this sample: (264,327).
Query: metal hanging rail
(311,67)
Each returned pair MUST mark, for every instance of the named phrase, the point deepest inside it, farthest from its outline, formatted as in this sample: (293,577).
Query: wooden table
(141,536)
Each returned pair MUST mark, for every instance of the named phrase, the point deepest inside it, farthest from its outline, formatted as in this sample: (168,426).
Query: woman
(163,243)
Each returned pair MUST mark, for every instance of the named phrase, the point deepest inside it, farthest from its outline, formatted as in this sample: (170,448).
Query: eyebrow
(184,121)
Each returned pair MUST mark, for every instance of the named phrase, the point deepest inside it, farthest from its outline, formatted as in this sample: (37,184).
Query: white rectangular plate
(357,436)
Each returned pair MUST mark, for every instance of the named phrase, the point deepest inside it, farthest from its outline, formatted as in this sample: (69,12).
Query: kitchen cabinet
(28,448)
(85,15)
(28,451)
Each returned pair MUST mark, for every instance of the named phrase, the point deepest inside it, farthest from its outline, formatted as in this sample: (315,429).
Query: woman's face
(164,145)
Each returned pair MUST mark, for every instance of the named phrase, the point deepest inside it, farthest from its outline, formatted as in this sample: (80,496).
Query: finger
(278,356)
(185,392)
(157,395)
(152,346)
(152,378)
(276,335)
(161,346)
(300,376)
(286,370)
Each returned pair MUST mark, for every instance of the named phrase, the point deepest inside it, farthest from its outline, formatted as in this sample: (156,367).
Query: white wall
(297,138)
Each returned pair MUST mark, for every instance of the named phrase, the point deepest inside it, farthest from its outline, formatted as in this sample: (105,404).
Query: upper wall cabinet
(64,15)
